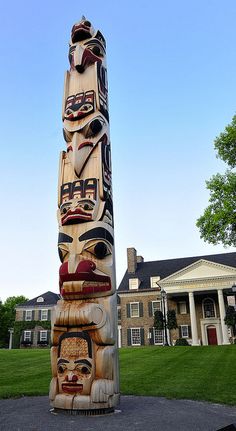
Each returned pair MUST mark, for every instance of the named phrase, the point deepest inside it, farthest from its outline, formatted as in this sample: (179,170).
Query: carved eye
(84,369)
(87,23)
(86,206)
(99,249)
(62,253)
(61,368)
(96,50)
(94,128)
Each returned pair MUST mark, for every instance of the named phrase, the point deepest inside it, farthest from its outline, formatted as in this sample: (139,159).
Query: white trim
(162,336)
(44,309)
(135,344)
(133,303)
(31,315)
(42,335)
(203,310)
(184,326)
(159,309)
(133,283)
(26,338)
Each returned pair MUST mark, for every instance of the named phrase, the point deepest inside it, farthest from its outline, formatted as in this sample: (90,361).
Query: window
(184,331)
(158,336)
(43,336)
(133,283)
(28,315)
(40,299)
(156,306)
(27,336)
(208,308)
(135,337)
(134,309)
(154,281)
(182,307)
(44,314)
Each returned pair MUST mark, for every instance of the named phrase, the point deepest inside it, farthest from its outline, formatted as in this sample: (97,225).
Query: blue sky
(171,71)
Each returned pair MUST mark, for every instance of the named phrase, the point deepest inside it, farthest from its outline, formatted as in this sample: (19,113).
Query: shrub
(181,342)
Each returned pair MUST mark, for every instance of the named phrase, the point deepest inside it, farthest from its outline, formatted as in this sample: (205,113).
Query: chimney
(140,259)
(131,260)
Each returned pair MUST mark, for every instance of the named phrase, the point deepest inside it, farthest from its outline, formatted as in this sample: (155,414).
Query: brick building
(34,319)
(197,288)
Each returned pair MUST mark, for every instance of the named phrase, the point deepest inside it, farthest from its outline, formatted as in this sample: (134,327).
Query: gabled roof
(164,268)
(50,298)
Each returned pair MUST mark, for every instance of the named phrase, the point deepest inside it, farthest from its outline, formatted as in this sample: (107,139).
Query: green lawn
(197,373)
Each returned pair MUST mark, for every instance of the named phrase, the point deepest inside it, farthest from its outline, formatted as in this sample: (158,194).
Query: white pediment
(202,269)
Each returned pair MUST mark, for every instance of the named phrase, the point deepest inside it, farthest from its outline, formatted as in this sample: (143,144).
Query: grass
(205,373)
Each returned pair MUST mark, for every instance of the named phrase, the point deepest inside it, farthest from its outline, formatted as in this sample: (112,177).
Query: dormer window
(40,299)
(154,281)
(133,283)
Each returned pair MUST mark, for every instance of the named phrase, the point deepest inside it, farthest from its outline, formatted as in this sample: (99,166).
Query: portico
(202,287)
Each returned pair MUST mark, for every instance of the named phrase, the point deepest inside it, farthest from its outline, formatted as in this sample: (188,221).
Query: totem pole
(84,332)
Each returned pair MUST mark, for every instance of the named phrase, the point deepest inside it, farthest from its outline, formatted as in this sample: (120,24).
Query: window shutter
(178,308)
(180,334)
(49,314)
(38,336)
(128,310)
(48,336)
(40,314)
(187,307)
(142,336)
(151,340)
(140,309)
(150,309)
(189,332)
(33,312)
(24,315)
(31,336)
(129,336)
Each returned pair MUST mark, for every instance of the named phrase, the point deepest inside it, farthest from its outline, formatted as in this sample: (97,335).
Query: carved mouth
(80,32)
(75,217)
(71,388)
(78,288)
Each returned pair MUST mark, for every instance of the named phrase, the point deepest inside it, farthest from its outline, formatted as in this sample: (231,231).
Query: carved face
(87,266)
(85,54)
(78,201)
(81,31)
(75,363)
(81,143)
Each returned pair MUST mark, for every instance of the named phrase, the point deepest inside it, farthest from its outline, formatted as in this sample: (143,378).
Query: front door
(211,336)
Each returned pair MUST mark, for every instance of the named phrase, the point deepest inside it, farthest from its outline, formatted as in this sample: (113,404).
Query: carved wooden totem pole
(84,352)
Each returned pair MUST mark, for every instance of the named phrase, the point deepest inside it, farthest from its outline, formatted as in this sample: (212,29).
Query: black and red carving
(84,331)
(79,105)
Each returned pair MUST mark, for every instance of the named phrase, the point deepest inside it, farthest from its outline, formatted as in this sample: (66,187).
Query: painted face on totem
(87,266)
(81,143)
(86,53)
(75,363)
(81,31)
(79,201)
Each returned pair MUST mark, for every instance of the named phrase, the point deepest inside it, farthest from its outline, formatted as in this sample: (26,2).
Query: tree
(158,320)
(7,317)
(230,318)
(218,222)
(171,320)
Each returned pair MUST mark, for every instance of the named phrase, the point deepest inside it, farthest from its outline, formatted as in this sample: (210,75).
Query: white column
(222,316)
(193,319)
(168,331)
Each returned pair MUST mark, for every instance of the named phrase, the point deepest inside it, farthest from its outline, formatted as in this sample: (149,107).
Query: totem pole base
(91,412)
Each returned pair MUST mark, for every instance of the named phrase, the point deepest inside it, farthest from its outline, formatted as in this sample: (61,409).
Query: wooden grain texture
(84,360)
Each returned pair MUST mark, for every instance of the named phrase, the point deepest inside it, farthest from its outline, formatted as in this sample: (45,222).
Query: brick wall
(145,321)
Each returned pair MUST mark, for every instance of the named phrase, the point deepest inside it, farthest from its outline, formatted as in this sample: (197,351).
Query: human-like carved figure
(84,331)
